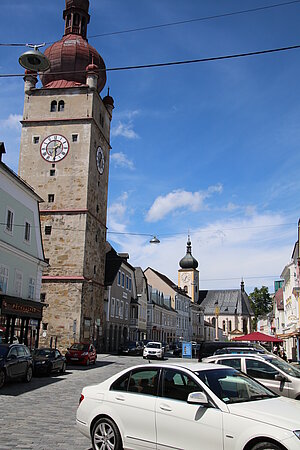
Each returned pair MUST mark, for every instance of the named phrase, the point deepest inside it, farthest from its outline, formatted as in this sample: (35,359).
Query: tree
(261,303)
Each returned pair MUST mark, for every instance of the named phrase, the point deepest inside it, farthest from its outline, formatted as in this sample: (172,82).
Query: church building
(64,156)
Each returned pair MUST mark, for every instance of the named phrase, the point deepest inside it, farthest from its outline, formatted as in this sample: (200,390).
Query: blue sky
(210,148)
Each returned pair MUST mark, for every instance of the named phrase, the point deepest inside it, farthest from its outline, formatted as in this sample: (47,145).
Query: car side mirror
(281,378)
(198,398)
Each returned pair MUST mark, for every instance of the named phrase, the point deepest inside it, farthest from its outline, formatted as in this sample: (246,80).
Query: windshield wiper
(260,396)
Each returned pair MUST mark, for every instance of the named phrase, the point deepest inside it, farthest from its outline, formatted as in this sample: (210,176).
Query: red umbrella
(257,336)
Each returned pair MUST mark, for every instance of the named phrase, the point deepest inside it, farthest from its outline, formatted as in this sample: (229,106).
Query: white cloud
(12,122)
(178,199)
(121,160)
(124,130)
(227,251)
(117,214)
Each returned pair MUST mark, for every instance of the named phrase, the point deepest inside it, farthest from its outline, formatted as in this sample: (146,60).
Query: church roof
(188,261)
(229,302)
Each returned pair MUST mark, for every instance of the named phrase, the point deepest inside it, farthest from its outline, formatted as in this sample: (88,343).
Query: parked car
(48,360)
(232,350)
(177,349)
(208,348)
(81,353)
(15,362)
(153,350)
(270,370)
(187,406)
(132,348)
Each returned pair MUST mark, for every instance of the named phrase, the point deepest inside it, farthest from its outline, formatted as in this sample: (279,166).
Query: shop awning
(258,337)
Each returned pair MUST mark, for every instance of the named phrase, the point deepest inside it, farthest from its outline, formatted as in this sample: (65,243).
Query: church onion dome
(108,100)
(70,56)
(188,261)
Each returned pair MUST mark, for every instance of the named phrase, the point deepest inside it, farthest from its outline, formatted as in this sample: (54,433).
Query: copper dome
(69,58)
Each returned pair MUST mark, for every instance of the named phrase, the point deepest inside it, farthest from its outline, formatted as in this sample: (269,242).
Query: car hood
(280,412)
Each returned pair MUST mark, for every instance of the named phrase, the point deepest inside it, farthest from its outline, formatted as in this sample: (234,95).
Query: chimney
(2,150)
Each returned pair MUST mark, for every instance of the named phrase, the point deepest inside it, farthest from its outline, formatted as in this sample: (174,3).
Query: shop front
(20,320)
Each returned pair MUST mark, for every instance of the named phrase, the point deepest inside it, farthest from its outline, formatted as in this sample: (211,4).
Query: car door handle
(121,398)
(165,407)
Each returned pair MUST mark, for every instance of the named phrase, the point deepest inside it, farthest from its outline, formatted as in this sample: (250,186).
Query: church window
(53,106)
(50,198)
(224,325)
(36,139)
(48,229)
(95,269)
(74,137)
(230,326)
(96,238)
(97,208)
(61,105)
(52,172)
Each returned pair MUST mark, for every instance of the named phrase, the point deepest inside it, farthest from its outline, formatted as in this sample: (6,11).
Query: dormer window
(53,106)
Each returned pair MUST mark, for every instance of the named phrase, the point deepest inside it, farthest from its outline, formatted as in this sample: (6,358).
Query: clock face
(186,277)
(100,160)
(54,148)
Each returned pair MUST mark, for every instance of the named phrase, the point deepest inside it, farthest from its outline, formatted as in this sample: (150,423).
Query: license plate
(74,359)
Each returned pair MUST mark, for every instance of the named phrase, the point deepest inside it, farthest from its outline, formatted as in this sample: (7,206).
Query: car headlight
(85,353)
(297,433)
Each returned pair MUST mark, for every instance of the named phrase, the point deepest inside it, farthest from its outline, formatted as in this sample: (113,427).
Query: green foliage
(261,303)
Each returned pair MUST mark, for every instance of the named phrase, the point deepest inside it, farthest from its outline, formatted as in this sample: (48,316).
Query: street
(41,415)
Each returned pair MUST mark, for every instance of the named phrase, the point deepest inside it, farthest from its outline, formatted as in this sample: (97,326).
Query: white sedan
(187,406)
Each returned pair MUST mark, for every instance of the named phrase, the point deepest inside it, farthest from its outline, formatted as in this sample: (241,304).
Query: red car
(80,353)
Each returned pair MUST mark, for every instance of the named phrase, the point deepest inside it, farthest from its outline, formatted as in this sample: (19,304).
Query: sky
(210,149)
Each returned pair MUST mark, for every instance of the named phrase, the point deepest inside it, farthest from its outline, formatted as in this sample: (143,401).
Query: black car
(48,360)
(132,348)
(15,362)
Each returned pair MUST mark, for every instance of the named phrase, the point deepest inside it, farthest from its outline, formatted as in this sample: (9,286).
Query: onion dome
(188,261)
(108,100)
(70,56)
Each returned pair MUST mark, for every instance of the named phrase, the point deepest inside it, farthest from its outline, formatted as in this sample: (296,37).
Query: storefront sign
(21,308)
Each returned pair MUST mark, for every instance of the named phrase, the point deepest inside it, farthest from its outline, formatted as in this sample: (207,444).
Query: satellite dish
(34,60)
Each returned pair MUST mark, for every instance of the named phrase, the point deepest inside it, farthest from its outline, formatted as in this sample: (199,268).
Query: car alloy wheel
(2,378)
(266,446)
(28,375)
(106,436)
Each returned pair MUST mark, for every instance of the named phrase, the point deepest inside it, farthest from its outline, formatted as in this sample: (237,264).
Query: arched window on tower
(229,326)
(53,107)
(61,105)
(76,20)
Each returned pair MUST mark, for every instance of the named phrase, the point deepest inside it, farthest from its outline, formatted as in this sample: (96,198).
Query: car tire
(106,429)
(2,378)
(63,369)
(28,374)
(265,446)
(95,361)
(88,362)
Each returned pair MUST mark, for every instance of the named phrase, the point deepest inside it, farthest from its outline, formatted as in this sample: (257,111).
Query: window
(53,107)
(48,229)
(61,105)
(36,139)
(9,220)
(121,309)
(74,137)
(259,369)
(95,270)
(3,279)
(224,325)
(119,278)
(127,281)
(232,362)
(52,172)
(112,308)
(18,283)
(123,279)
(177,385)
(126,310)
(27,232)
(143,381)
(42,297)
(117,308)
(31,288)
(230,326)
(130,283)
(50,198)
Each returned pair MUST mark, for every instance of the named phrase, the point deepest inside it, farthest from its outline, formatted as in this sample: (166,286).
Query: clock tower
(64,156)
(188,275)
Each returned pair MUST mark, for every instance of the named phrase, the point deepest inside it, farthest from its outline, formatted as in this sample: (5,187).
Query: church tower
(188,275)
(64,156)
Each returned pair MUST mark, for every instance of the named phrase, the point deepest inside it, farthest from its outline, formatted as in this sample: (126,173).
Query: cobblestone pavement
(40,415)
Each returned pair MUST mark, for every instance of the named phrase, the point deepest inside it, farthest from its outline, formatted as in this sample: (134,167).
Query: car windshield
(287,368)
(80,347)
(232,386)
(3,350)
(153,345)
(46,352)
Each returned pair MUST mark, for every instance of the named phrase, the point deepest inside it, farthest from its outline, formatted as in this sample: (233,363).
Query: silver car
(270,370)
